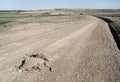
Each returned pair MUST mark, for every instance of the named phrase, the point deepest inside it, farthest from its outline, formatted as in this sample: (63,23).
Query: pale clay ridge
(54,47)
(61,43)
(82,50)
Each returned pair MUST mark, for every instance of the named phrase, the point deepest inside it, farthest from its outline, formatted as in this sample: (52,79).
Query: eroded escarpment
(114,28)
(100,59)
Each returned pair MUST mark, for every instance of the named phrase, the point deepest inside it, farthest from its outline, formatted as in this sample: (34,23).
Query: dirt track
(83,50)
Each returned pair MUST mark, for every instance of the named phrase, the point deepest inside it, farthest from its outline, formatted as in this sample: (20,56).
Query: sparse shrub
(46,14)
(5,25)
(81,14)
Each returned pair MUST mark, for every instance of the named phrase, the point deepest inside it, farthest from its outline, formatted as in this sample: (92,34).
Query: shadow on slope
(114,28)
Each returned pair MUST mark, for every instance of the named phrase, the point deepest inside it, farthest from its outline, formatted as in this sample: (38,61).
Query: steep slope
(101,60)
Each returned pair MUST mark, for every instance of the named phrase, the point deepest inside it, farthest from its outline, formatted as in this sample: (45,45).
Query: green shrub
(46,14)
(4,22)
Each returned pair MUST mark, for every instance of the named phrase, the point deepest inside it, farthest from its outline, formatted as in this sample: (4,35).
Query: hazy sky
(50,4)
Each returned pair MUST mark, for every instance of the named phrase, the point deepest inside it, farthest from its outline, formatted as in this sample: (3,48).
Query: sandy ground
(81,50)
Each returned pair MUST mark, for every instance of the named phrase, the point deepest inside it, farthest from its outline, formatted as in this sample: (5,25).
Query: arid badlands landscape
(61,45)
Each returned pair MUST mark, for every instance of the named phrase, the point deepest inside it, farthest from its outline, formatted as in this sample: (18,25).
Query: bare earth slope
(82,50)
(101,61)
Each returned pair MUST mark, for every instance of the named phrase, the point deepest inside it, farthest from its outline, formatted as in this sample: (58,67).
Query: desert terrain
(60,46)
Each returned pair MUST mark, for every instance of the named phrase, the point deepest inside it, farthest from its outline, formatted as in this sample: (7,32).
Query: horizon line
(62,9)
